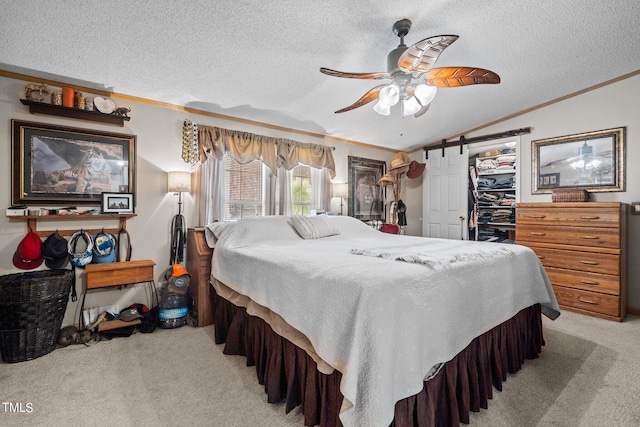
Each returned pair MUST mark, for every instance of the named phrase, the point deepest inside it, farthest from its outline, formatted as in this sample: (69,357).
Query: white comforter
(382,309)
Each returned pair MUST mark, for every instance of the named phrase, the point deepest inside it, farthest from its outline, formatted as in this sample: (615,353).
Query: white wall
(159,139)
(611,106)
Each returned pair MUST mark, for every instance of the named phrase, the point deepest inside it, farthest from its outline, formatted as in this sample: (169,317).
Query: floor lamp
(342,191)
(178,182)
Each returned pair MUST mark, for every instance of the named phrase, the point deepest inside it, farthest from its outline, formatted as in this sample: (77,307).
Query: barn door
(445,194)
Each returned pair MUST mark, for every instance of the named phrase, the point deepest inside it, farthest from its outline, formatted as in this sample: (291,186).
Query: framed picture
(592,161)
(117,203)
(549,180)
(69,166)
(366,201)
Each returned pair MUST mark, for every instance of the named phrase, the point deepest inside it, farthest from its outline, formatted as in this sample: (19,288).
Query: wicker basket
(569,196)
(32,307)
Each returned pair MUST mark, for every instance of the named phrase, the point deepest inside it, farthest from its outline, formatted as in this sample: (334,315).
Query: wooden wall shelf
(74,113)
(32,222)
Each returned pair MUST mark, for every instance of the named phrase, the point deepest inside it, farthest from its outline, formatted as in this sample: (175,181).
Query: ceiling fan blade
(423,55)
(373,76)
(459,76)
(364,100)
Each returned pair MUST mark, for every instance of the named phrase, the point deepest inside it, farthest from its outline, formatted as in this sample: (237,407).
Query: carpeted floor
(588,375)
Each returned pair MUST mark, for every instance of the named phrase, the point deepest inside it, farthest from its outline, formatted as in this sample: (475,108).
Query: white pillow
(314,227)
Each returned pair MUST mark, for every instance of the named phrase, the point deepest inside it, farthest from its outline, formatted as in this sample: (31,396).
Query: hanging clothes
(402,213)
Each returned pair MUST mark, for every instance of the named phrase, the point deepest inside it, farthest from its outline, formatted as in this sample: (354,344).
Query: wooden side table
(199,266)
(118,274)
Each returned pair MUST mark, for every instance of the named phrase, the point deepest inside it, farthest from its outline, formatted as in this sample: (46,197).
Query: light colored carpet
(588,375)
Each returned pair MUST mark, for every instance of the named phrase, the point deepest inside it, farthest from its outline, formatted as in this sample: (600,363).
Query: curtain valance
(244,147)
(290,153)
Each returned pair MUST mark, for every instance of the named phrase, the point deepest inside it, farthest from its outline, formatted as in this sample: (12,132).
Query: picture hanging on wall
(591,161)
(366,201)
(63,165)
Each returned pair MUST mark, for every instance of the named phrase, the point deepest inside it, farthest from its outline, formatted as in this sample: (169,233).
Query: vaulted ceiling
(260,60)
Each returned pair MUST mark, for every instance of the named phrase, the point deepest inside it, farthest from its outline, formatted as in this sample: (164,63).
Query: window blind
(243,189)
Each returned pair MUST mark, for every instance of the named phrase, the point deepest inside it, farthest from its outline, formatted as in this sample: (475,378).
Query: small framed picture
(117,203)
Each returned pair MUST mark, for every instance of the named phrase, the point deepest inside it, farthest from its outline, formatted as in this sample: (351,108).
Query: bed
(366,328)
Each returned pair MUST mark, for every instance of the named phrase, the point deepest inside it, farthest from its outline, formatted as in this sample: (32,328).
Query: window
(243,189)
(301,190)
(251,190)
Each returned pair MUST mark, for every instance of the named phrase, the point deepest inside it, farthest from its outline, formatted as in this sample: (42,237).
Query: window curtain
(278,154)
(242,146)
(290,153)
(283,191)
(210,191)
(320,182)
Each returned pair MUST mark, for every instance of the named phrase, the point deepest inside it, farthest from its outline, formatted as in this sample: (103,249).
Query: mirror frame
(540,149)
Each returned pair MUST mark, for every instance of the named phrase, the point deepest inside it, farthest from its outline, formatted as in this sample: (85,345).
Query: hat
(130,313)
(415,169)
(387,179)
(28,255)
(178,282)
(104,248)
(80,256)
(179,270)
(400,162)
(54,251)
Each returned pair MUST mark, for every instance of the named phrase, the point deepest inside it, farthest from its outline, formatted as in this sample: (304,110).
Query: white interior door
(445,194)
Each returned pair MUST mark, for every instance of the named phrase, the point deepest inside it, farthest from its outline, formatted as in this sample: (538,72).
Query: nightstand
(199,266)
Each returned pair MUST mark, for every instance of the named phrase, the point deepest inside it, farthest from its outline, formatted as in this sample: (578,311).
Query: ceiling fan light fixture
(382,109)
(425,93)
(410,106)
(390,95)
(412,74)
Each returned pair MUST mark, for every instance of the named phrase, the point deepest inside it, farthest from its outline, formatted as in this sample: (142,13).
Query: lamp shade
(425,94)
(340,190)
(178,182)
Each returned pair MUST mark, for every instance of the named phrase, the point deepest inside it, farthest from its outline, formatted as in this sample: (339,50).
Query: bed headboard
(199,266)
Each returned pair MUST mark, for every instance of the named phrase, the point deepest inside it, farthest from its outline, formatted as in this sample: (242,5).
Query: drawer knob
(589,282)
(535,233)
(537,216)
(589,217)
(588,262)
(590,237)
(540,257)
(587,301)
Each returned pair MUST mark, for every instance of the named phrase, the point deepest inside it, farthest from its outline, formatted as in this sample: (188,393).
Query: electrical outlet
(635,208)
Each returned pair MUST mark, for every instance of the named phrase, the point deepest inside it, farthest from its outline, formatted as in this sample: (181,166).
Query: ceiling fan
(414,81)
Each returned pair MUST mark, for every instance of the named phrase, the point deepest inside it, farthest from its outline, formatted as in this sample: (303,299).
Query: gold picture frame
(591,161)
(69,166)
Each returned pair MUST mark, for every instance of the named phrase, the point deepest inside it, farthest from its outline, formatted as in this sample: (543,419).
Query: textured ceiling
(260,60)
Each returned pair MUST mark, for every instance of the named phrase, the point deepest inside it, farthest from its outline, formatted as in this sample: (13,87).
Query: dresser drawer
(581,261)
(584,217)
(590,301)
(579,236)
(582,280)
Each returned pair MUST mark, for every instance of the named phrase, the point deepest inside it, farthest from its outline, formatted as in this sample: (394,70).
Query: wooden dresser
(199,266)
(583,248)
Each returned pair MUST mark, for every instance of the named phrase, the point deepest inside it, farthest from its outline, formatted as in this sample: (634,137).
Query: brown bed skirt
(464,384)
